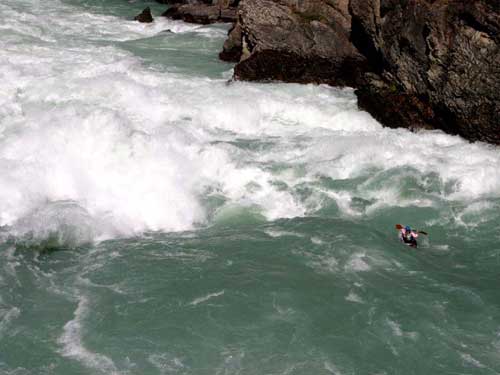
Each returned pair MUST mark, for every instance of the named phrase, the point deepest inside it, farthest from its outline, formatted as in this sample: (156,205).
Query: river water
(156,218)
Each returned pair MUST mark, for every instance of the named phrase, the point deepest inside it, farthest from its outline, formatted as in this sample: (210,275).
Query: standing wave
(94,144)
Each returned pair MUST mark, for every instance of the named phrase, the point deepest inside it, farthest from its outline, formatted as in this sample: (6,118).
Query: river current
(158,218)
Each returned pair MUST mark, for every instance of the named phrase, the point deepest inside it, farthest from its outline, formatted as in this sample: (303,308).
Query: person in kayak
(408,236)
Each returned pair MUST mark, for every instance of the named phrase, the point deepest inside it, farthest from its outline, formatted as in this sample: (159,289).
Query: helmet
(407,228)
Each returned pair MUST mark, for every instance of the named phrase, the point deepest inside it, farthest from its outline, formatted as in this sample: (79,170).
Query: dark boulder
(145,16)
(273,41)
(170,2)
(233,46)
(203,12)
(180,2)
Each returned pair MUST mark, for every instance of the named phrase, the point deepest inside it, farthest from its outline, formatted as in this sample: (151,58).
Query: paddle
(399,227)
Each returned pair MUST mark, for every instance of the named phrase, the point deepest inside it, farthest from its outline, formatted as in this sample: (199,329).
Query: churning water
(158,219)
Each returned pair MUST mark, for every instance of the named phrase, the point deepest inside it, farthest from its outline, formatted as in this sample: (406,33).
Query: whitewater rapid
(158,218)
(94,143)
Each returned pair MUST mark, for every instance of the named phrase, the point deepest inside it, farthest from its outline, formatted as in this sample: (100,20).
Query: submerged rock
(145,16)
(415,64)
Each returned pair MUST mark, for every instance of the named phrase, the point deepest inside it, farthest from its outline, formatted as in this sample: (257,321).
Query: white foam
(6,318)
(397,330)
(353,297)
(132,149)
(331,368)
(441,247)
(166,363)
(11,264)
(466,357)
(322,263)
(56,224)
(282,233)
(317,241)
(71,22)
(199,300)
(357,263)
(73,346)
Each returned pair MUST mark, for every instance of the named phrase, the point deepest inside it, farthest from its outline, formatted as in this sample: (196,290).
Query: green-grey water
(158,219)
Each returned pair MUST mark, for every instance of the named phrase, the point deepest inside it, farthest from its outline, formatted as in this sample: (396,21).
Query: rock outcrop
(414,63)
(202,11)
(281,41)
(145,16)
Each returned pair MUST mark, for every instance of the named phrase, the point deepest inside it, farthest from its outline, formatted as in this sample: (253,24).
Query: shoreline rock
(145,16)
(279,42)
(202,11)
(437,65)
(414,63)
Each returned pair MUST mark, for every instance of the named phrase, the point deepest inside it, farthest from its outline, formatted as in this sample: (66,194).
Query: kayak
(411,244)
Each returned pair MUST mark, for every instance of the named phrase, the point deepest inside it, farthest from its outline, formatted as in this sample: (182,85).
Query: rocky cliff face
(414,63)
(295,42)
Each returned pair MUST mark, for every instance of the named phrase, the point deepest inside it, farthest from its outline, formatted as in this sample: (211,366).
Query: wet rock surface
(414,63)
(437,64)
(280,42)
(202,12)
(145,16)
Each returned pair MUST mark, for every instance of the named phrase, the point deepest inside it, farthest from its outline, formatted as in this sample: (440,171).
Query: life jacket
(408,236)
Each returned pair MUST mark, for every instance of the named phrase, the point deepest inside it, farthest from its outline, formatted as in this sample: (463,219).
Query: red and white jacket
(403,233)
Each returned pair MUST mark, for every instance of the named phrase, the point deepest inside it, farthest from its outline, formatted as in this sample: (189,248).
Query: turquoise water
(158,219)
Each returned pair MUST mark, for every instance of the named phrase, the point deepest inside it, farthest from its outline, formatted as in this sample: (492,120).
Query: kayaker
(408,236)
